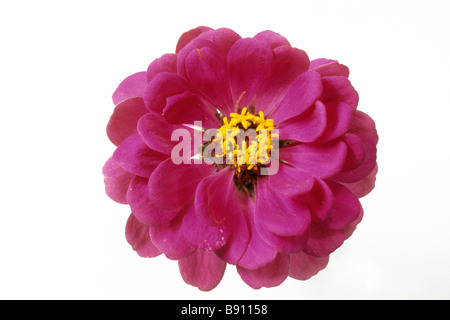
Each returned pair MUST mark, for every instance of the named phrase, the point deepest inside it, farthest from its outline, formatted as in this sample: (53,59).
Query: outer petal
(302,94)
(363,187)
(346,207)
(133,86)
(320,201)
(167,63)
(116,181)
(171,186)
(142,207)
(327,67)
(364,125)
(170,239)
(323,241)
(123,121)
(189,35)
(271,275)
(303,266)
(138,237)
(339,115)
(202,269)
(318,160)
(272,39)
(136,157)
(306,127)
(338,88)
(248,63)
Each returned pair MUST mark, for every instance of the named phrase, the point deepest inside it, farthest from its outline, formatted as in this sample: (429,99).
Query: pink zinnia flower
(207,215)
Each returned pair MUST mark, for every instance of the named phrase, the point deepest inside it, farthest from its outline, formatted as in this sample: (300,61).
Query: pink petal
(136,157)
(304,266)
(248,63)
(327,67)
(306,127)
(346,207)
(362,124)
(338,88)
(189,35)
(207,71)
(271,275)
(171,186)
(116,181)
(169,239)
(288,64)
(355,151)
(321,161)
(132,87)
(216,203)
(166,63)
(302,94)
(142,207)
(339,115)
(348,230)
(258,252)
(137,235)
(202,269)
(186,108)
(323,241)
(162,86)
(320,201)
(123,121)
(272,39)
(363,187)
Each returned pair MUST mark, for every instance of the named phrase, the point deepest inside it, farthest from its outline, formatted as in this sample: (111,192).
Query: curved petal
(123,121)
(171,186)
(272,39)
(303,266)
(116,181)
(166,63)
(323,241)
(302,94)
(363,187)
(320,201)
(169,238)
(321,161)
(327,67)
(306,127)
(189,35)
(132,87)
(248,63)
(202,269)
(206,69)
(142,207)
(137,235)
(338,88)
(271,275)
(339,115)
(346,207)
(136,157)
(362,124)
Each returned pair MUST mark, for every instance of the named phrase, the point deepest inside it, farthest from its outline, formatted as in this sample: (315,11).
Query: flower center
(246,145)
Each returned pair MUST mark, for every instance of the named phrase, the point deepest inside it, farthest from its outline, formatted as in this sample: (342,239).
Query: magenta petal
(169,239)
(323,241)
(137,235)
(303,266)
(189,35)
(164,85)
(321,161)
(272,39)
(167,63)
(363,187)
(339,115)
(248,63)
(327,67)
(186,108)
(142,207)
(258,252)
(348,230)
(346,207)
(132,87)
(338,88)
(287,65)
(320,201)
(302,94)
(207,71)
(364,125)
(136,157)
(123,121)
(306,127)
(171,186)
(116,181)
(202,269)
(271,275)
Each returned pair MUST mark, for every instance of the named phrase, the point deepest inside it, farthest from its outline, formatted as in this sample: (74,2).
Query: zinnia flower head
(240,151)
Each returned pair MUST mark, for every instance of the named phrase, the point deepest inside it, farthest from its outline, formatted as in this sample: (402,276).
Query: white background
(61,237)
